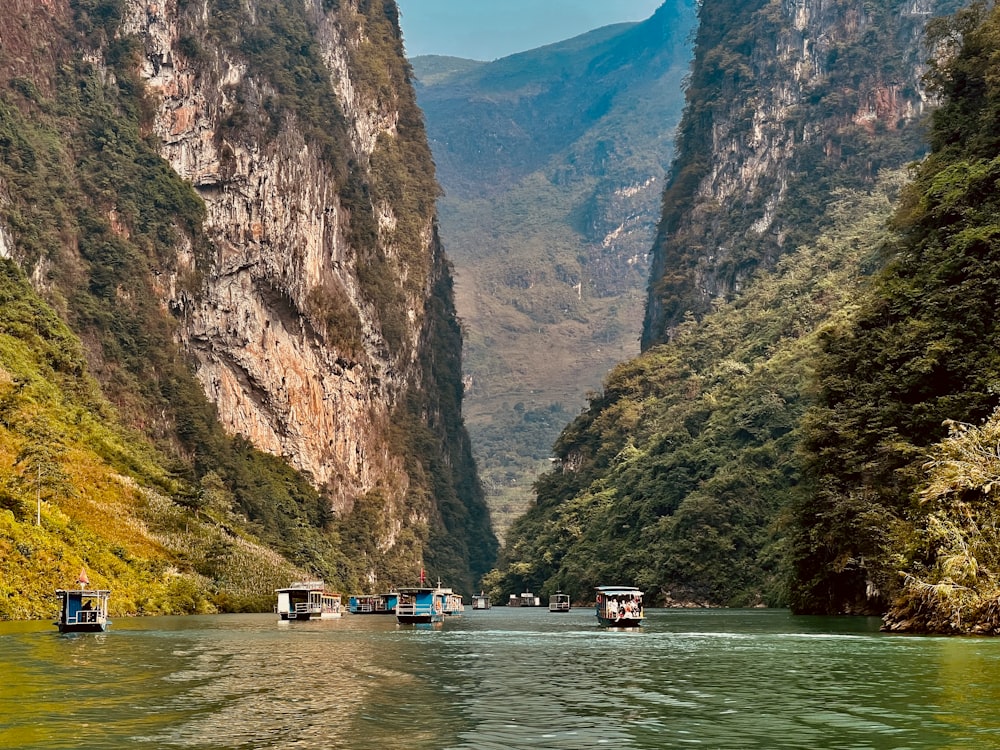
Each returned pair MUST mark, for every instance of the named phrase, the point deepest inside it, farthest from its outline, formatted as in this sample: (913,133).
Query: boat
(420,604)
(373,604)
(559,602)
(307,600)
(527,599)
(619,606)
(83,610)
(481,601)
(453,604)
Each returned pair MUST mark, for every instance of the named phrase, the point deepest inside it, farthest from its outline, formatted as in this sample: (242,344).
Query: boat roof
(307,586)
(84,592)
(618,589)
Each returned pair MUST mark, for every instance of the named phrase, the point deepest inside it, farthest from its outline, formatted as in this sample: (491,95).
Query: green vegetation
(105,497)
(678,475)
(104,427)
(919,354)
(828,143)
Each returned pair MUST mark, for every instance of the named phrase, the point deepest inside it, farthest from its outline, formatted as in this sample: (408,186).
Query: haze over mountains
(552,162)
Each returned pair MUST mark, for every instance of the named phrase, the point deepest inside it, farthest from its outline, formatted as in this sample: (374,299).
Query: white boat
(481,601)
(559,602)
(307,600)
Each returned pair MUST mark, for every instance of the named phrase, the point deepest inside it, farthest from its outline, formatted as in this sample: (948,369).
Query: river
(504,678)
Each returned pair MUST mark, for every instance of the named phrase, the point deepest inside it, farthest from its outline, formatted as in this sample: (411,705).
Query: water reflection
(500,678)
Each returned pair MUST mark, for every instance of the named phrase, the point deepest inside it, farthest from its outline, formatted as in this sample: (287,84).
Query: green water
(502,678)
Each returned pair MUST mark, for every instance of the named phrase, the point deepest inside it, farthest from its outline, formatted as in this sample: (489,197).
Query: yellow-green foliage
(952,576)
(101,493)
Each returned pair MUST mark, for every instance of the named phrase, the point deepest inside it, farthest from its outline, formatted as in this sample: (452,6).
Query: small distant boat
(559,602)
(307,600)
(619,606)
(83,610)
(481,601)
(375,604)
(527,599)
(420,604)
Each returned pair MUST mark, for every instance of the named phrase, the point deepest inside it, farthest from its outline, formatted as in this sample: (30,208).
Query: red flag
(421,576)
(82,578)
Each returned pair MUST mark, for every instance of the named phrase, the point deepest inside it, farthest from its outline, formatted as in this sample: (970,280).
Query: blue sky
(489,29)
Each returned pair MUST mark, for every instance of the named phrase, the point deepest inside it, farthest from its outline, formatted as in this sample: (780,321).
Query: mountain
(552,162)
(230,349)
(901,443)
(683,473)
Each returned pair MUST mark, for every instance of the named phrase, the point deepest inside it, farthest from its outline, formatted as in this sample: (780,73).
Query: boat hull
(302,617)
(99,627)
(625,622)
(418,619)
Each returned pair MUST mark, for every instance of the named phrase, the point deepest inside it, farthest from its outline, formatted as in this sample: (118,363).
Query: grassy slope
(104,493)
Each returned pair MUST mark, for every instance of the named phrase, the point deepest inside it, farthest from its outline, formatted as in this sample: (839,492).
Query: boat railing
(83,616)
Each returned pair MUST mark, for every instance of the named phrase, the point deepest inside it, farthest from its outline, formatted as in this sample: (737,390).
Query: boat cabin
(374,604)
(527,599)
(453,604)
(83,611)
(619,606)
(420,604)
(307,600)
(559,602)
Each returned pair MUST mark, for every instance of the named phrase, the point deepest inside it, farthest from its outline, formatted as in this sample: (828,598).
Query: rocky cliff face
(788,101)
(313,299)
(278,228)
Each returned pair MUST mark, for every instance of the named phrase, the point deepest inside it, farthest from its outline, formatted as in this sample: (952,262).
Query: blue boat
(619,606)
(420,604)
(83,610)
(373,604)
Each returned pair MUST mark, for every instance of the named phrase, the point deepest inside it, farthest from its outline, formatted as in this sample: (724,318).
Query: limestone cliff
(789,100)
(312,298)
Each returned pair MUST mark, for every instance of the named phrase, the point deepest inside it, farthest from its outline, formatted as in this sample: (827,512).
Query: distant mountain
(552,162)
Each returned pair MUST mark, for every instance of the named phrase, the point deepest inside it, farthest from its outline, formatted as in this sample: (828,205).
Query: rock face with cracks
(788,101)
(322,309)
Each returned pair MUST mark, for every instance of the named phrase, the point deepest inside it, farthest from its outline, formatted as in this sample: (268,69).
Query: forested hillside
(552,162)
(679,475)
(685,473)
(901,444)
(229,354)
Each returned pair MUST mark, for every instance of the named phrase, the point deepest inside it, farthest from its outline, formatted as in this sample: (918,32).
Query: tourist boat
(307,600)
(374,604)
(420,604)
(453,604)
(481,601)
(527,599)
(83,610)
(619,606)
(559,602)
